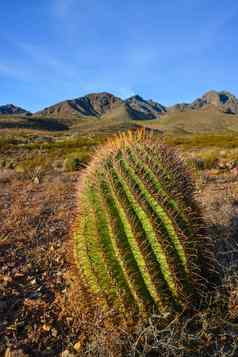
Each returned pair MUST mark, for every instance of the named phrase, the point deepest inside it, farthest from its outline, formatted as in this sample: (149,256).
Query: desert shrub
(34,165)
(2,163)
(19,169)
(58,164)
(66,144)
(9,164)
(210,160)
(198,163)
(72,164)
(139,236)
(206,162)
(75,160)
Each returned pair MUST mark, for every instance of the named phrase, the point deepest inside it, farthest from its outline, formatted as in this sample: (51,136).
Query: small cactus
(140,241)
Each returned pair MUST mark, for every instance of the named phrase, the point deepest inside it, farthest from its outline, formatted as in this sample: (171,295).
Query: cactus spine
(138,234)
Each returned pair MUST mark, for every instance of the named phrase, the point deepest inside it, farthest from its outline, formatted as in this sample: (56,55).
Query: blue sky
(170,51)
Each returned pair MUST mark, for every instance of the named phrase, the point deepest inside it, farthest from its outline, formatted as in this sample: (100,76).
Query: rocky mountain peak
(212,100)
(102,102)
(222,101)
(145,109)
(135,98)
(11,109)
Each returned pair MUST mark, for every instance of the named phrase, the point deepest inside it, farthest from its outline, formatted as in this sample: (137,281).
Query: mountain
(91,105)
(180,107)
(212,101)
(101,104)
(222,101)
(105,105)
(145,109)
(10,109)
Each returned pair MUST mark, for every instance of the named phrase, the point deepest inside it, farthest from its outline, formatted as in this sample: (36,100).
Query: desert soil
(35,221)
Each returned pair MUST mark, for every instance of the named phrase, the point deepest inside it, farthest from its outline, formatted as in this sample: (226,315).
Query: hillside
(122,118)
(145,109)
(195,122)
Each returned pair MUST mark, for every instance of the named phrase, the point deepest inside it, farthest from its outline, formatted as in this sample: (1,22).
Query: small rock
(14,353)
(34,295)
(36,180)
(19,275)
(77,346)
(7,279)
(46,328)
(66,353)
(54,332)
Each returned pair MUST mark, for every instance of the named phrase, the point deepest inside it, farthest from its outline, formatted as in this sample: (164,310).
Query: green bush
(20,169)
(10,164)
(2,163)
(72,164)
(140,241)
(75,161)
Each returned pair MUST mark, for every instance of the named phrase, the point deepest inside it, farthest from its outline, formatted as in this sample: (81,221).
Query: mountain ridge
(11,109)
(222,101)
(99,105)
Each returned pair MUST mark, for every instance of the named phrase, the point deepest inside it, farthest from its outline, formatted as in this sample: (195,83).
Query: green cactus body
(138,233)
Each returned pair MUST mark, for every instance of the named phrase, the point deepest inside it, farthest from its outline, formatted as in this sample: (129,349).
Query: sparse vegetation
(73,162)
(40,311)
(195,122)
(205,140)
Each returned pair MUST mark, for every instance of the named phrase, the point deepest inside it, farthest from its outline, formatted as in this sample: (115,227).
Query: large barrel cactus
(140,240)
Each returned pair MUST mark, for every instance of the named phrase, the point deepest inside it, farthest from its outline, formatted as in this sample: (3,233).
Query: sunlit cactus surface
(140,241)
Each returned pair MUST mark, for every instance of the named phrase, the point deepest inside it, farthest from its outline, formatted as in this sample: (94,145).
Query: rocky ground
(34,226)
(35,264)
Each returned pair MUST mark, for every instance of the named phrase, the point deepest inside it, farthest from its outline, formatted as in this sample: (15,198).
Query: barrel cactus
(140,242)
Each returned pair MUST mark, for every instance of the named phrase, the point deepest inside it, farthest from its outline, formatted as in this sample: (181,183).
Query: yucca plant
(140,239)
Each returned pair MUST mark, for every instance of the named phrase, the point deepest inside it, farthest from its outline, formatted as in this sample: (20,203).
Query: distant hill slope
(94,105)
(211,101)
(145,109)
(30,122)
(11,109)
(195,122)
(100,104)
(107,124)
